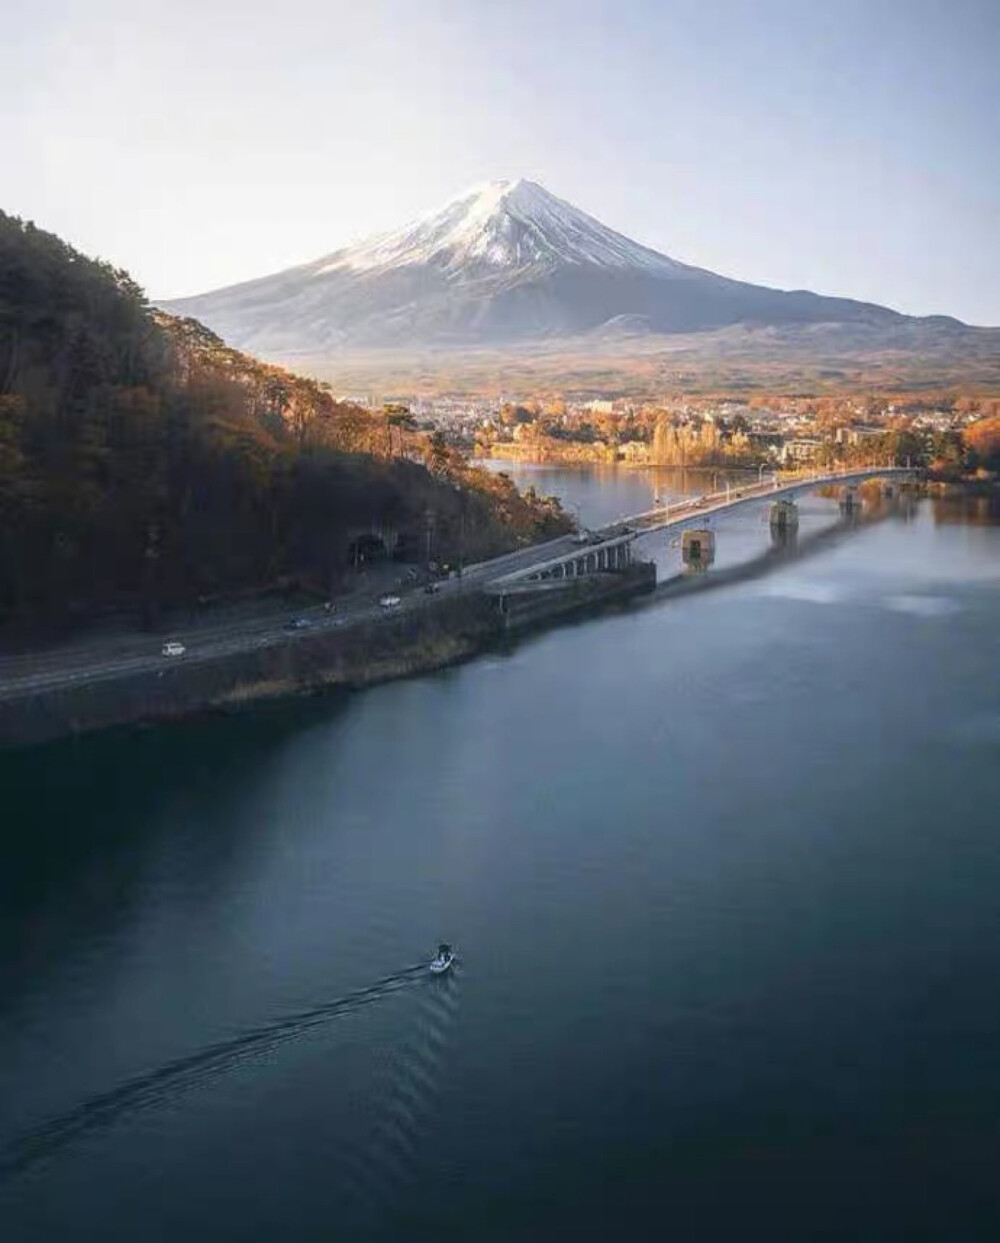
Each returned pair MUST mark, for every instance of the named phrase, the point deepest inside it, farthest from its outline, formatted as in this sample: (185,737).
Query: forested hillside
(143,463)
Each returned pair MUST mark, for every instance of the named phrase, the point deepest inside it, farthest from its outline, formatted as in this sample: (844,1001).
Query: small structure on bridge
(698,547)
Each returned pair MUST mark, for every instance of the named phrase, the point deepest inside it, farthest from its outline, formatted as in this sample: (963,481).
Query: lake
(722,871)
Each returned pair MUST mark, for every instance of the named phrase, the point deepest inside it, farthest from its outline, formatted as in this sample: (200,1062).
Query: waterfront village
(950,434)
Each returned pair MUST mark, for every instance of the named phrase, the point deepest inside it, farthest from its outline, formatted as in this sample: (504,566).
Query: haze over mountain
(509,264)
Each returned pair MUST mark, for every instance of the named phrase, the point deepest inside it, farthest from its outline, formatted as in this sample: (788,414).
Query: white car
(173,649)
(389,602)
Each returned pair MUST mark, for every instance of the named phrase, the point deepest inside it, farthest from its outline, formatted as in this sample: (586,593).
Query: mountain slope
(506,263)
(503,225)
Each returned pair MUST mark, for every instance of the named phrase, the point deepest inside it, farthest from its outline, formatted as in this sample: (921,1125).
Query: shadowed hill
(143,463)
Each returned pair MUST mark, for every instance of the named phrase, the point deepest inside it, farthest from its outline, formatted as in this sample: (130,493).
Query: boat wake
(392,1157)
(168,1082)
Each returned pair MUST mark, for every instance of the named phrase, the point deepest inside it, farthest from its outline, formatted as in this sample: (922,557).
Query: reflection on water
(600,494)
(923,606)
(968,510)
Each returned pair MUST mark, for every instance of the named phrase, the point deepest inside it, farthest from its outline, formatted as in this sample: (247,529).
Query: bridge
(537,581)
(610,549)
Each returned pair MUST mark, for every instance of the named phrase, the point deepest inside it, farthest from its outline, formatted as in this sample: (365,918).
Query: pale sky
(846,146)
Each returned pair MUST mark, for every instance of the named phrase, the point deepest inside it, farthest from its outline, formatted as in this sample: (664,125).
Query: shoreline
(253,670)
(945,487)
(343,659)
(525,459)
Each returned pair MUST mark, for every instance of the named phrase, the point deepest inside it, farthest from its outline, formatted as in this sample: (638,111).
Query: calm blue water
(722,871)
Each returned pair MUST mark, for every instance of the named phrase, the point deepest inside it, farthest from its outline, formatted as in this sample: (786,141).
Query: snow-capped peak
(503,224)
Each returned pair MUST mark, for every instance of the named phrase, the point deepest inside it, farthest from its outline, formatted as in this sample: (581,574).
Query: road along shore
(398,644)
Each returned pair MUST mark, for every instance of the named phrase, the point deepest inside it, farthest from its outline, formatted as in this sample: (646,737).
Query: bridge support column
(698,548)
(784,516)
(784,523)
(850,498)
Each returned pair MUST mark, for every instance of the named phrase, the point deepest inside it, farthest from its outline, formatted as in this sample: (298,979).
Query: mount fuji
(509,264)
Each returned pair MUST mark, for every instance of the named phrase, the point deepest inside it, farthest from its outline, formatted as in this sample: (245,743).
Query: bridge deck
(680,514)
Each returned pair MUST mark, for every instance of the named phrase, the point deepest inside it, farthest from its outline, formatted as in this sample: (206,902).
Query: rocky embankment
(350,657)
(347,657)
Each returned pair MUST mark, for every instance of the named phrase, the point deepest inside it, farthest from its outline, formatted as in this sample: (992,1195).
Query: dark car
(298,623)
(432,588)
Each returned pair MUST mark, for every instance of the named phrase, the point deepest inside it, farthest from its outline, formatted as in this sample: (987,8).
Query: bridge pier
(698,547)
(850,498)
(784,516)
(784,520)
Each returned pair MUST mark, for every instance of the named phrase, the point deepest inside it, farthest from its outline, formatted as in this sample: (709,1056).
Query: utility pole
(428,528)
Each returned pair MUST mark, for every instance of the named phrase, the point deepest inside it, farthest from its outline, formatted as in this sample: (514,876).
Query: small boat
(442,962)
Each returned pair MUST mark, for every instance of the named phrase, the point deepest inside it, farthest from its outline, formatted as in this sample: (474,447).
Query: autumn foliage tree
(983,438)
(144,463)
